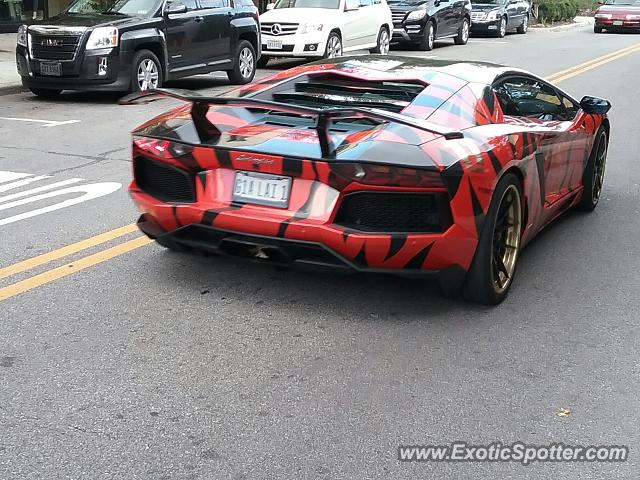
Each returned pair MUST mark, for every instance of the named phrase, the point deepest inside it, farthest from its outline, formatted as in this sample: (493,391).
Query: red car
(617,15)
(370,164)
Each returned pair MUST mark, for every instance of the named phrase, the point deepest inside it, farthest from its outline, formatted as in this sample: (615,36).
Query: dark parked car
(133,45)
(498,16)
(424,22)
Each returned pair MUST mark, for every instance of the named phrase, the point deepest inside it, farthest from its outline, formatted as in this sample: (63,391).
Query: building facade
(13,13)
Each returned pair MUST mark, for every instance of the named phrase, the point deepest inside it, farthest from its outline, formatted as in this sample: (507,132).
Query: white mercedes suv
(324,28)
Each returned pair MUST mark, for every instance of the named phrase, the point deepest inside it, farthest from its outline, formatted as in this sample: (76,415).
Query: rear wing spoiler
(323,116)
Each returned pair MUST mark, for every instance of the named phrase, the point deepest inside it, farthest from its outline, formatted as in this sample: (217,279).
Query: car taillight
(385,175)
(162,149)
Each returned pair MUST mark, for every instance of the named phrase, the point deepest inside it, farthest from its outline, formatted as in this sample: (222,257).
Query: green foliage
(558,10)
(587,5)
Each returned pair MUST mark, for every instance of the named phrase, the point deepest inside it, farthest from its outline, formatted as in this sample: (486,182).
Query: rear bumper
(611,24)
(305,255)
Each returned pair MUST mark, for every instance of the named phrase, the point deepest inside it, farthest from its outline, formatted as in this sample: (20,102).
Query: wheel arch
(337,31)
(250,37)
(150,39)
(525,198)
(432,20)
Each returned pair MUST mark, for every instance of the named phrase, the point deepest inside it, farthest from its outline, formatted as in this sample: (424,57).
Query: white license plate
(618,23)
(274,44)
(262,189)
(53,69)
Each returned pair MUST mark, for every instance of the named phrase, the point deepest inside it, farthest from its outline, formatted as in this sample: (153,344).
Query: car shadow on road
(357,296)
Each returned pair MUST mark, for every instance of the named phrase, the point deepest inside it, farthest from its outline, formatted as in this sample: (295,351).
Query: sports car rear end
(355,194)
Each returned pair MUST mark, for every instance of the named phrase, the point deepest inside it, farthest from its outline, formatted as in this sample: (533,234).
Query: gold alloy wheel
(505,244)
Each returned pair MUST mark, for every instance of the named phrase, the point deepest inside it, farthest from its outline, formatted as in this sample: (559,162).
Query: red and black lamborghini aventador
(373,164)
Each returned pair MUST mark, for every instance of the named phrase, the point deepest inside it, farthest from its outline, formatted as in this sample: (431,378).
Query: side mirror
(270,6)
(595,105)
(175,8)
(352,5)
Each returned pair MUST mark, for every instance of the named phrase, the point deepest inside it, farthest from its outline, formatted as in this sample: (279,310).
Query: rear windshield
(307,4)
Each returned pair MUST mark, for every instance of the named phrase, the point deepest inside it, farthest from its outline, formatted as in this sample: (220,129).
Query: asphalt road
(156,365)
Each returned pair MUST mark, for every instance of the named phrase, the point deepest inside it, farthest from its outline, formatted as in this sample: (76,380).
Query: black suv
(132,45)
(424,22)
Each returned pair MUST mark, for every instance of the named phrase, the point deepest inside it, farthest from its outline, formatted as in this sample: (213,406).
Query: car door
(371,12)
(183,31)
(354,25)
(216,31)
(444,17)
(524,7)
(540,109)
(513,13)
(458,7)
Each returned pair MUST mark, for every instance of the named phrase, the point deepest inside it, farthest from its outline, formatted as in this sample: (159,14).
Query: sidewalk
(9,78)
(577,22)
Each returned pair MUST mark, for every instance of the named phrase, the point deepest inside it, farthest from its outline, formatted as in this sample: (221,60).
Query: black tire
(139,64)
(524,26)
(502,28)
(245,64)
(427,42)
(263,60)
(46,93)
(463,33)
(593,176)
(479,285)
(330,49)
(597,29)
(382,47)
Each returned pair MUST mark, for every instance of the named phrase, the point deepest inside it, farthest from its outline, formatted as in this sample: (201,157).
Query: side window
(190,4)
(528,97)
(570,108)
(366,3)
(213,3)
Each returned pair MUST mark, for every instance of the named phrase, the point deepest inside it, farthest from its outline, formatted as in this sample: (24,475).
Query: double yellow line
(127,246)
(71,267)
(576,70)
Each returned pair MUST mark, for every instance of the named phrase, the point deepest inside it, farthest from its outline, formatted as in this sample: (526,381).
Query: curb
(583,22)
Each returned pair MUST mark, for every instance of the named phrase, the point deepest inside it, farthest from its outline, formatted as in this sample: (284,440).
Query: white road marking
(89,192)
(44,188)
(45,123)
(11,176)
(21,183)
(13,180)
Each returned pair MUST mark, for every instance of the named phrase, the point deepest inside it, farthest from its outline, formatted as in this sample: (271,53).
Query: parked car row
(136,45)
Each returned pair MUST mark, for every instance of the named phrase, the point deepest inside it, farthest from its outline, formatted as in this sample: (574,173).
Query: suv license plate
(53,69)
(618,23)
(274,44)
(261,189)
